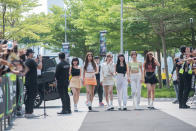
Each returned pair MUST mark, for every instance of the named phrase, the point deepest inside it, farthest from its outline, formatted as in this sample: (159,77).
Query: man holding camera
(31,81)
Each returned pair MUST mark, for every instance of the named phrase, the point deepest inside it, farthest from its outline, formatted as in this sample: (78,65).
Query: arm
(128,73)
(97,69)
(142,73)
(157,63)
(70,71)
(101,74)
(39,66)
(57,72)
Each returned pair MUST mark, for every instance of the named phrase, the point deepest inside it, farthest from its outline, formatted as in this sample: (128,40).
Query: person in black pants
(185,77)
(62,77)
(31,81)
(99,87)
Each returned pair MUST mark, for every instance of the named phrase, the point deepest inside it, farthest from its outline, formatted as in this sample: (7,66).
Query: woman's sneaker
(75,109)
(101,104)
(90,108)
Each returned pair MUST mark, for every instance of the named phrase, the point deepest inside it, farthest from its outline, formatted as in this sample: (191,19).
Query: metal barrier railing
(11,97)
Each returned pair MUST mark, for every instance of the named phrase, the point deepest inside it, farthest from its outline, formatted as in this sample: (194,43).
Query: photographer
(31,81)
(184,67)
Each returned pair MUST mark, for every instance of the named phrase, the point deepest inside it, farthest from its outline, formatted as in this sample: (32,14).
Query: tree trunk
(159,68)
(4,21)
(165,58)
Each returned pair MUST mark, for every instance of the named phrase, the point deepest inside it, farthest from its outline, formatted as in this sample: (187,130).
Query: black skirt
(150,78)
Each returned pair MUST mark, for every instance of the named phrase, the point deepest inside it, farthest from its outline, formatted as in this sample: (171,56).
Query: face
(121,58)
(134,55)
(188,51)
(90,57)
(150,56)
(109,58)
(31,55)
(194,53)
(75,63)
(97,61)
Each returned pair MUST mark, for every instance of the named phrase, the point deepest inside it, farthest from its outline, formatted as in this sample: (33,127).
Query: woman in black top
(122,71)
(75,82)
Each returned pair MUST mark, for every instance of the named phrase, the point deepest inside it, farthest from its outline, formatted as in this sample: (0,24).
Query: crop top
(75,72)
(134,66)
(121,69)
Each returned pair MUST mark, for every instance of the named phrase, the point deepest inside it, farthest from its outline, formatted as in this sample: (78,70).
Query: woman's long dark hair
(124,63)
(148,61)
(86,61)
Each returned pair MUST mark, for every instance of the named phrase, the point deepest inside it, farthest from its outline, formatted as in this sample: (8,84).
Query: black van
(46,81)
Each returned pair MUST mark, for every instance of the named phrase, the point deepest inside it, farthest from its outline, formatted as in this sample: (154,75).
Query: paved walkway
(167,117)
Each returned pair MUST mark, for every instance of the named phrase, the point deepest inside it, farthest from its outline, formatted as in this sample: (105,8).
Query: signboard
(103,48)
(66,49)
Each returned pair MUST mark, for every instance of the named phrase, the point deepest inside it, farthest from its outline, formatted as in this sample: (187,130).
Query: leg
(149,93)
(111,95)
(100,92)
(153,91)
(138,90)
(88,93)
(153,94)
(187,89)
(106,94)
(124,86)
(74,95)
(78,94)
(133,89)
(181,90)
(119,92)
(29,103)
(176,89)
(67,98)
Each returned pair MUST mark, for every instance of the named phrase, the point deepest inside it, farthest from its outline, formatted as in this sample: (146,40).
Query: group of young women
(120,74)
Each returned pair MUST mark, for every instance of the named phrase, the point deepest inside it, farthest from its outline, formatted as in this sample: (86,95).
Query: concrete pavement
(167,117)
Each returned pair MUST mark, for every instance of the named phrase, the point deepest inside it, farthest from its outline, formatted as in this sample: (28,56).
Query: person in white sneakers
(136,78)
(75,82)
(107,79)
(122,70)
(150,77)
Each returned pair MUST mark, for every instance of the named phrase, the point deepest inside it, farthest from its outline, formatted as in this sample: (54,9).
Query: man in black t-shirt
(62,77)
(31,81)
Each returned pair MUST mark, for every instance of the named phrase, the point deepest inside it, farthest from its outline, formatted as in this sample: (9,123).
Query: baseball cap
(29,51)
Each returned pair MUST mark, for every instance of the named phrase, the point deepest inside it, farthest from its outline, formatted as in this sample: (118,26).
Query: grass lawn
(159,93)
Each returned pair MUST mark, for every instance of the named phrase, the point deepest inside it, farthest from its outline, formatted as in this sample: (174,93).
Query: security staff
(62,77)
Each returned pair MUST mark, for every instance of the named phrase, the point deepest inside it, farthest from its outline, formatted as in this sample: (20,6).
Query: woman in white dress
(106,77)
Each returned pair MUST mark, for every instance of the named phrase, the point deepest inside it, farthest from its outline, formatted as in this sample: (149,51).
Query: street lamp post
(121,28)
(65,25)
(193,33)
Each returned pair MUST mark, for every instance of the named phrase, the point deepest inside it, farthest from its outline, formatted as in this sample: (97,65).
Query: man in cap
(31,82)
